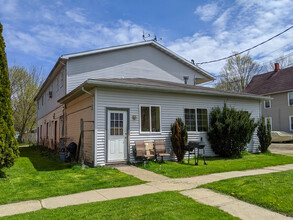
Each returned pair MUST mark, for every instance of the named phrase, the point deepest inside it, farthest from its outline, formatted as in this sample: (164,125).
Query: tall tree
(24,87)
(237,73)
(8,144)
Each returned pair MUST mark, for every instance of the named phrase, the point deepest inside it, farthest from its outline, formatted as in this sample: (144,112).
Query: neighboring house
(278,85)
(123,94)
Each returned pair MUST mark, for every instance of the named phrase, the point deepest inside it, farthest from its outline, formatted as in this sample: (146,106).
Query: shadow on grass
(43,159)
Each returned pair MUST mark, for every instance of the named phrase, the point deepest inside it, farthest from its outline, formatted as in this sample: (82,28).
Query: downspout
(94,127)
(87,92)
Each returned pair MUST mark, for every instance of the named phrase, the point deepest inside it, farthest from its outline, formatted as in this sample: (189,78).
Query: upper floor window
(185,79)
(267,104)
(196,119)
(150,119)
(291,122)
(290,98)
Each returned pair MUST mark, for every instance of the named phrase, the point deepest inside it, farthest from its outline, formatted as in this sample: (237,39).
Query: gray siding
(172,106)
(279,111)
(139,62)
(58,89)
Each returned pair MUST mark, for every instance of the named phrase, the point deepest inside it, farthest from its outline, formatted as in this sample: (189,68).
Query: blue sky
(38,32)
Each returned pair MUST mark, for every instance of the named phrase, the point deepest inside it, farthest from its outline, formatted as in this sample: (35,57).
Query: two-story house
(107,99)
(277,84)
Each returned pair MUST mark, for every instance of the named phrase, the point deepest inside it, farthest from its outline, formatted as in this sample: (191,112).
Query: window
(47,131)
(41,132)
(291,122)
(190,119)
(196,121)
(269,119)
(185,79)
(290,98)
(202,119)
(150,119)
(267,103)
(116,124)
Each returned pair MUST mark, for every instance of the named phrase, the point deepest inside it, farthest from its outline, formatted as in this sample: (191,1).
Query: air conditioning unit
(50,94)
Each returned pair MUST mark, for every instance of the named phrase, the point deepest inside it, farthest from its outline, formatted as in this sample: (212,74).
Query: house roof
(153,85)
(271,82)
(63,59)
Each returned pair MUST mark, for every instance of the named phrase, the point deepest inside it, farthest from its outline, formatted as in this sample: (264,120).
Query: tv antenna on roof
(144,36)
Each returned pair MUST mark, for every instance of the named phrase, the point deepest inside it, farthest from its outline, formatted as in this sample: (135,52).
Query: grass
(165,205)
(39,174)
(272,191)
(216,165)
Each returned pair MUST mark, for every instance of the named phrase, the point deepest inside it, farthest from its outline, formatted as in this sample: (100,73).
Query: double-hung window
(267,104)
(290,98)
(196,119)
(150,119)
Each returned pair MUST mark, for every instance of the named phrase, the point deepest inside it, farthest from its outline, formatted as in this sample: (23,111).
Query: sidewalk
(158,183)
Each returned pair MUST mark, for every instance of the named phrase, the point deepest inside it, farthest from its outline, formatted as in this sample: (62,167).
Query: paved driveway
(282,148)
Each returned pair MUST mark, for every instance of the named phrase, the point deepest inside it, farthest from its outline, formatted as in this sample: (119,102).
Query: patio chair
(160,149)
(149,149)
(140,149)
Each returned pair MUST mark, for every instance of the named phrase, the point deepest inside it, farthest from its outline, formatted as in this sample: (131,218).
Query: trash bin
(62,156)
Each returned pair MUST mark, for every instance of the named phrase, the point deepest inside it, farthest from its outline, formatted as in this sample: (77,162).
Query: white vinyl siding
(171,106)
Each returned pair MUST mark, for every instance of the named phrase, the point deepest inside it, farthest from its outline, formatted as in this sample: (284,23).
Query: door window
(116,124)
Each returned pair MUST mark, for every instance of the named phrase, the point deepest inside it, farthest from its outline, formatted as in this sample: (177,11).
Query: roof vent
(277,67)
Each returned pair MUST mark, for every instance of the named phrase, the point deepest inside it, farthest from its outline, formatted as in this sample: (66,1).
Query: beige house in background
(277,84)
(112,97)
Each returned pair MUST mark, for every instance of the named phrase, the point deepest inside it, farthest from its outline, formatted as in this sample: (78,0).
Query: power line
(217,60)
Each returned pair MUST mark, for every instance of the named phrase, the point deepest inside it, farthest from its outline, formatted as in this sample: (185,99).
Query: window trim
(264,104)
(289,99)
(271,121)
(290,128)
(150,114)
(196,124)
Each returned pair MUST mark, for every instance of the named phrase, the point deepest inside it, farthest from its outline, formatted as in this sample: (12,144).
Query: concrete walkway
(282,148)
(235,207)
(158,183)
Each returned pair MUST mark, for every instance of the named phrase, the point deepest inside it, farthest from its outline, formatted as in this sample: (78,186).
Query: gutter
(87,92)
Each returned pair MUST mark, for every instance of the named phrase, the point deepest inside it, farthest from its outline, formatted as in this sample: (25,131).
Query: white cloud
(241,26)
(76,16)
(207,12)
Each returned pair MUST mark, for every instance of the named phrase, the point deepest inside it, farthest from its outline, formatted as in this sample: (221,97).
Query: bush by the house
(8,144)
(179,138)
(230,131)
(264,134)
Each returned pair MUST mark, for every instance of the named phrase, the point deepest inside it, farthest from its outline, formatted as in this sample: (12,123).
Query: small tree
(230,131)
(8,144)
(179,138)
(264,134)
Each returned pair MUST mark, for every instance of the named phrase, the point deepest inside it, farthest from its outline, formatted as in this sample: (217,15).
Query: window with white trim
(150,119)
(267,104)
(269,119)
(291,122)
(196,119)
(290,98)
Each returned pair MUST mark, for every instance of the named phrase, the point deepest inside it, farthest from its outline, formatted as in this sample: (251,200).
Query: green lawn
(272,191)
(216,165)
(35,177)
(165,205)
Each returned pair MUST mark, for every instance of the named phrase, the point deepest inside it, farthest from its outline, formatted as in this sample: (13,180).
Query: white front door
(117,135)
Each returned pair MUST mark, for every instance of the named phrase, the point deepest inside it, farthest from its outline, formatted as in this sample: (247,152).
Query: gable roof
(143,43)
(153,85)
(271,82)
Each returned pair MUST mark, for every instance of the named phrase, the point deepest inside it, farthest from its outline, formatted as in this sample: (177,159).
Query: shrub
(8,144)
(179,138)
(230,131)
(264,135)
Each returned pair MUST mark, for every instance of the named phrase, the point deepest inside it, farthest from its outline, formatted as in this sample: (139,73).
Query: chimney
(277,67)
